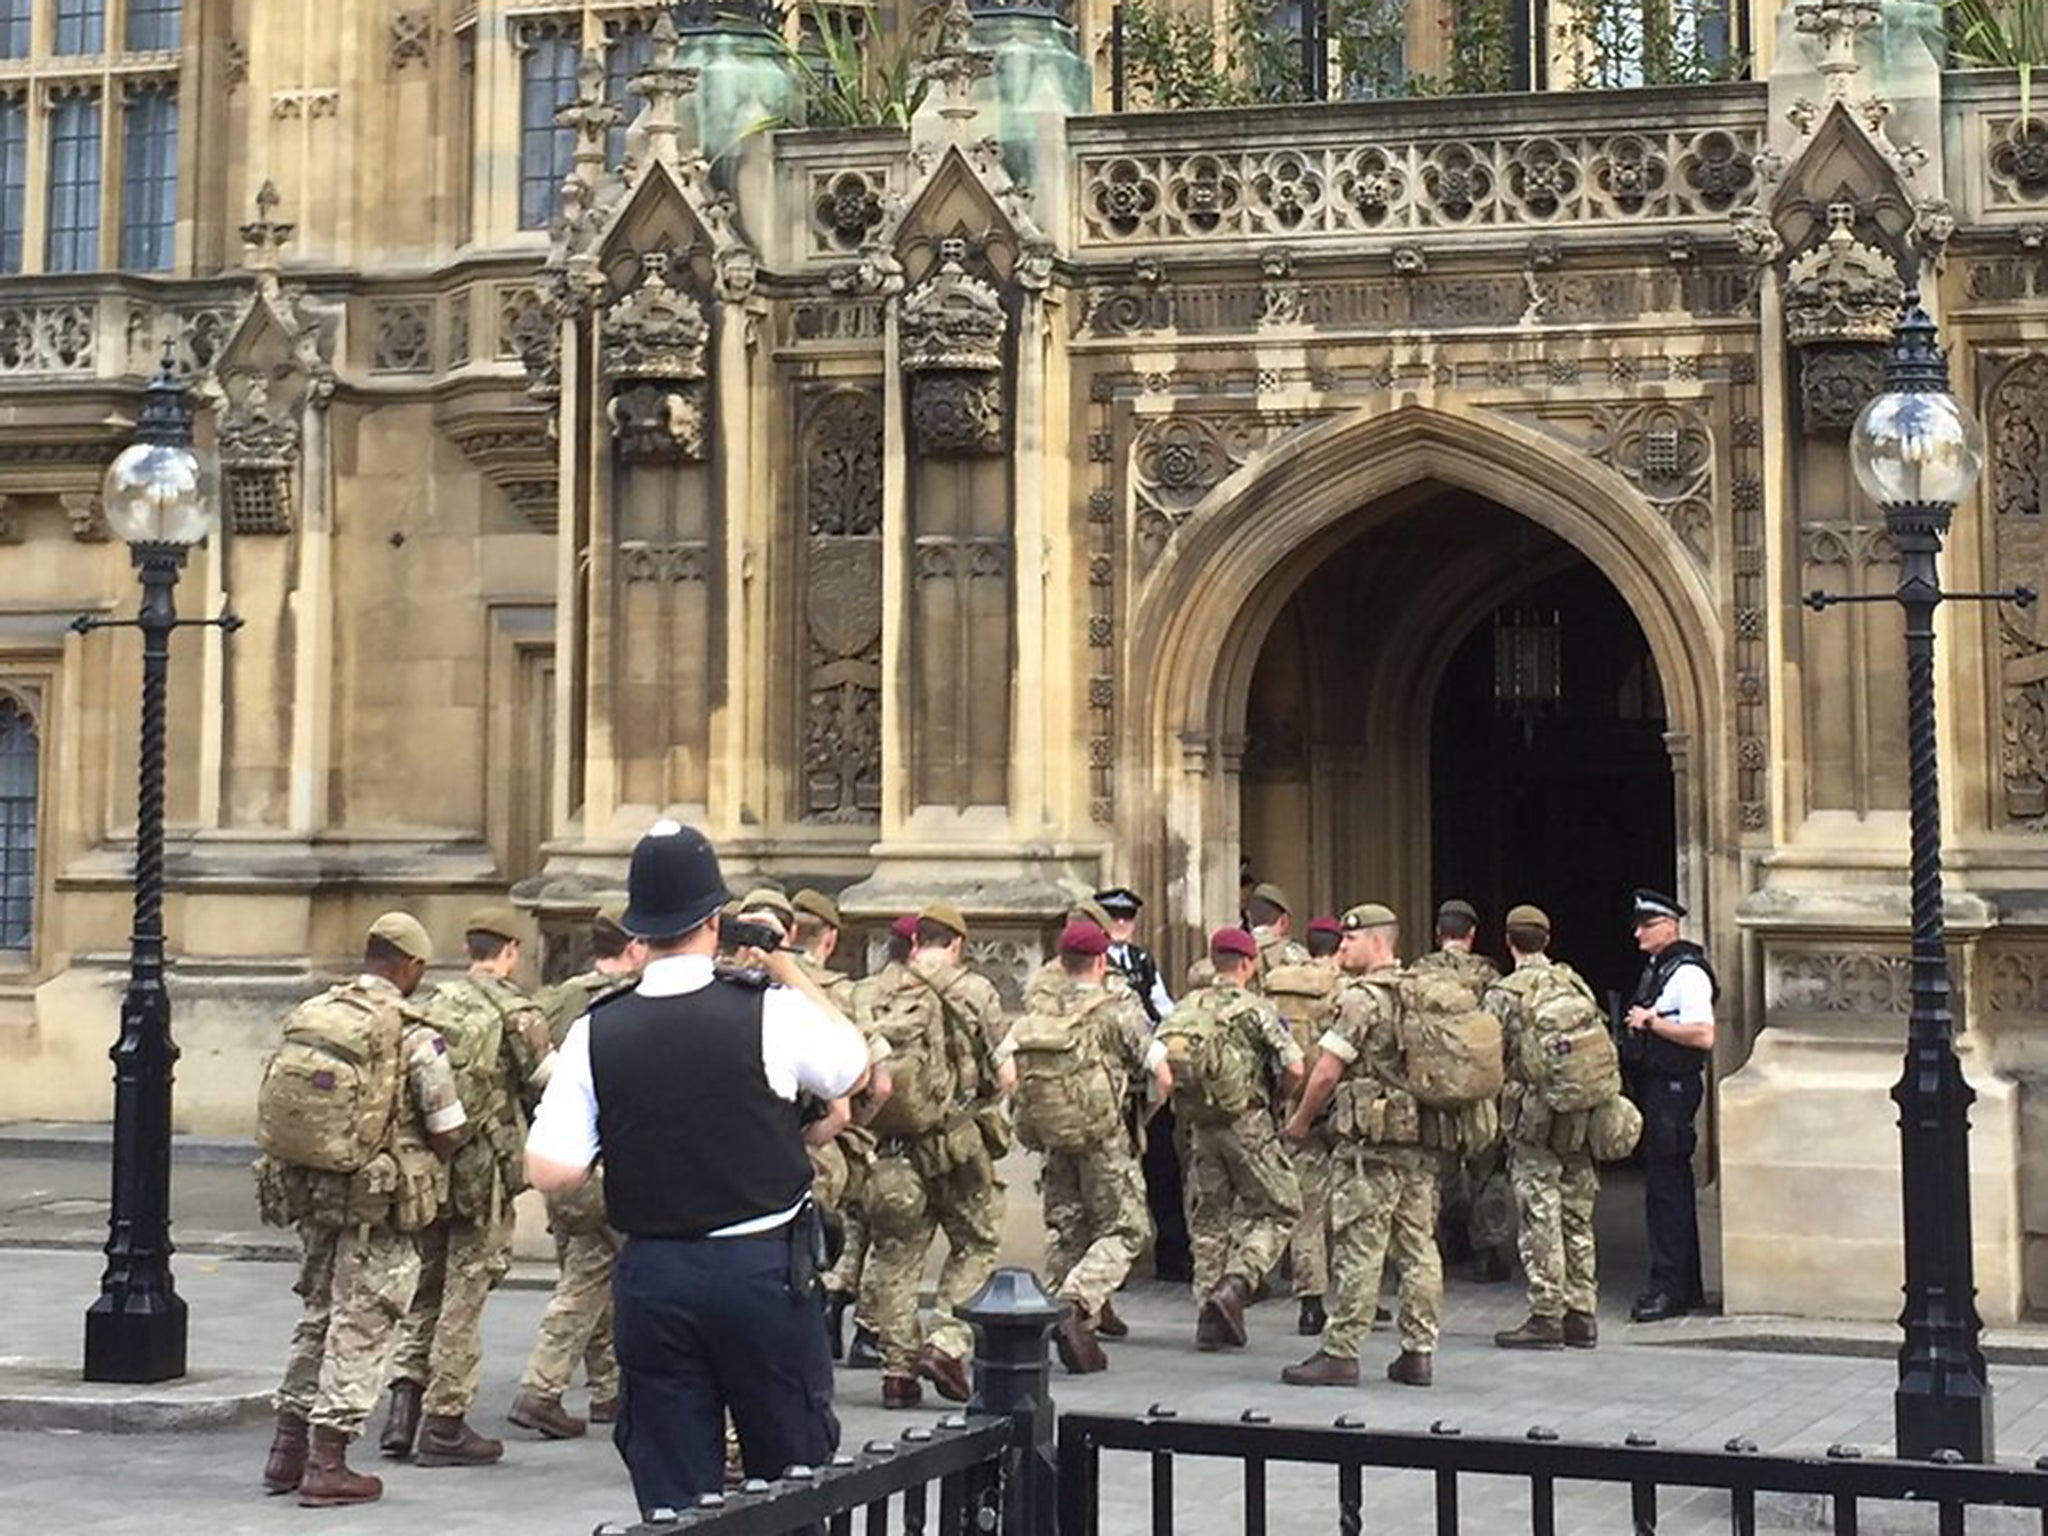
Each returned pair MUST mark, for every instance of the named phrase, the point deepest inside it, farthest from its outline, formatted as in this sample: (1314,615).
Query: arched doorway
(1423,499)
(1455,659)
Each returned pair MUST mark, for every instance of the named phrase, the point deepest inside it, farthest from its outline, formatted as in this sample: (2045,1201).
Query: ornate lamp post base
(137,1336)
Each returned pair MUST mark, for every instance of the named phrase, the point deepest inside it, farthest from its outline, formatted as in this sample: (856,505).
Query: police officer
(714,1297)
(1667,1048)
(1128,956)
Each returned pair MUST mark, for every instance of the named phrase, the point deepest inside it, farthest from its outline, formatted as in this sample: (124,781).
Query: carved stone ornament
(2018,489)
(653,357)
(1835,383)
(952,327)
(1841,290)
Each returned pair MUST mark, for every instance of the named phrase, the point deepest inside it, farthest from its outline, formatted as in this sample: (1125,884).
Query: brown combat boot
(901,1392)
(1535,1333)
(946,1372)
(1411,1369)
(1109,1326)
(1581,1330)
(543,1413)
(328,1480)
(402,1423)
(286,1463)
(1321,1370)
(446,1440)
(1223,1313)
(1076,1342)
(604,1410)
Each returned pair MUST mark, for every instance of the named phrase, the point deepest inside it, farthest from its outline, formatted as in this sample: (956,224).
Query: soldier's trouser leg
(601,1357)
(844,1275)
(1066,1222)
(1365,1186)
(1111,1190)
(1578,1193)
(479,1255)
(1207,1185)
(1308,1249)
(900,1229)
(1492,1226)
(355,1284)
(970,1213)
(1413,1246)
(1265,1197)
(412,1356)
(1540,1240)
(581,1301)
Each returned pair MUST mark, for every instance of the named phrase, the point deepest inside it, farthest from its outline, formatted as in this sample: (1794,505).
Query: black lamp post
(1916,451)
(160,499)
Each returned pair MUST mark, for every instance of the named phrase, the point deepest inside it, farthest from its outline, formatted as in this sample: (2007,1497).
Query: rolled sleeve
(1340,1047)
(805,1048)
(564,1126)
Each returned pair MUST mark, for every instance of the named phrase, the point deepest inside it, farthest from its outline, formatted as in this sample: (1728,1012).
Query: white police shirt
(802,1051)
(1687,998)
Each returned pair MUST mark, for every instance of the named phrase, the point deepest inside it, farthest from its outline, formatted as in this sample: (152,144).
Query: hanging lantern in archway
(1528,675)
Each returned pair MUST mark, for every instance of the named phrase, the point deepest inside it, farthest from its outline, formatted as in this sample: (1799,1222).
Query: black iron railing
(1542,1461)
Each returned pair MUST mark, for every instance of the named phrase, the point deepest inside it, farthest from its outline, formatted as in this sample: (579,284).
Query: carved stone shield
(843,597)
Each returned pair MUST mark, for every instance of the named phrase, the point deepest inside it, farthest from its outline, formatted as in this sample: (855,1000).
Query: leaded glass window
(81,26)
(15,19)
(155,26)
(13,180)
(149,179)
(546,153)
(74,229)
(630,52)
(19,764)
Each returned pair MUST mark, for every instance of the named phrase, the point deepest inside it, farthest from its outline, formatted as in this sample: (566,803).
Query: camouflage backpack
(1306,996)
(473,1024)
(911,1016)
(1450,1046)
(1567,1055)
(1211,1046)
(1068,1097)
(330,1092)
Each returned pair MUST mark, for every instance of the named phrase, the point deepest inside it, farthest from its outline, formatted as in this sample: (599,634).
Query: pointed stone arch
(954,203)
(1198,625)
(1843,159)
(275,368)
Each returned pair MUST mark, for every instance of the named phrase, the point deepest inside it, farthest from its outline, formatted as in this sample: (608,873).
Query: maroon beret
(1083,939)
(1325,925)
(905,927)
(1233,941)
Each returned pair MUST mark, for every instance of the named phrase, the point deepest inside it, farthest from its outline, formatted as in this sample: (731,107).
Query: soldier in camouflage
(1271,915)
(1478,1206)
(1243,1194)
(1094,1199)
(1555,1191)
(498,1040)
(1308,1250)
(1383,1192)
(359,1263)
(578,1323)
(944,1180)
(1050,981)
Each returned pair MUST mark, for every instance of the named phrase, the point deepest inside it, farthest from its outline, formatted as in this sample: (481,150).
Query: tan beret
(1272,893)
(817,904)
(1370,914)
(945,914)
(766,898)
(404,933)
(614,914)
(1091,910)
(1528,916)
(500,921)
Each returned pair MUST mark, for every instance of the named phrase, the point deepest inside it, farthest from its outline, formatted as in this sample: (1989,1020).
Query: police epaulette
(753,977)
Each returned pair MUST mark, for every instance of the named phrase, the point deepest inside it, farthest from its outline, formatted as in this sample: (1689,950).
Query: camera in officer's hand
(748,932)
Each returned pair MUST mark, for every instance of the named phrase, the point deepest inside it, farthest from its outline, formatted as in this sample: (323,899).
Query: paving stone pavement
(204,1483)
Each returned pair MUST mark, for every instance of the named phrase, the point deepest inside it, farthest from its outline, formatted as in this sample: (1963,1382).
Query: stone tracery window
(547,80)
(20,783)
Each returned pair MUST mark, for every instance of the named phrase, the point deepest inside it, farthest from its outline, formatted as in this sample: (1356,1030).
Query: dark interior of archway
(1569,806)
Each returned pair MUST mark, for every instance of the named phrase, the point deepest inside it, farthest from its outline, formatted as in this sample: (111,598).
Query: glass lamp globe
(1916,447)
(161,493)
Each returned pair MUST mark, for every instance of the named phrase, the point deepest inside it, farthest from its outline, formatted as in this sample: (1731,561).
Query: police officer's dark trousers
(1670,1105)
(704,1326)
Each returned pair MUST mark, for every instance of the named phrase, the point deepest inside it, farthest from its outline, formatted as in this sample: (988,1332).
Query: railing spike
(1840,1452)
(799,1473)
(1161,1411)
(1542,1433)
(1740,1446)
(1350,1421)
(840,1462)
(1638,1441)
(953,1421)
(1946,1457)
(755,1485)
(917,1436)
(880,1448)
(1254,1416)
(1445,1427)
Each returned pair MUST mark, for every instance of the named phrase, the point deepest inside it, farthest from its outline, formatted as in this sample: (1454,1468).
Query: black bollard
(1013,1318)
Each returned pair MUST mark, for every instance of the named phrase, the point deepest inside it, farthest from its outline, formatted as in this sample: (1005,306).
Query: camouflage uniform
(355,1280)
(1242,1191)
(1383,1192)
(942,1181)
(465,1254)
(578,1321)
(1478,1199)
(844,1277)
(1308,1248)
(1276,949)
(1096,1219)
(1554,1191)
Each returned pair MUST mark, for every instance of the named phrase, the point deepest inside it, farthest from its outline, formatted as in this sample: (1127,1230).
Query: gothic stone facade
(910,509)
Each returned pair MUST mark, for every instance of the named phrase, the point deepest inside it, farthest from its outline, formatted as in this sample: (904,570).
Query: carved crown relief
(952,328)
(652,352)
(1842,290)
